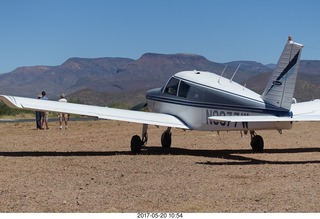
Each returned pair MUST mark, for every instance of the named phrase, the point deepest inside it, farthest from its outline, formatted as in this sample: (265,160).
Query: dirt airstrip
(89,168)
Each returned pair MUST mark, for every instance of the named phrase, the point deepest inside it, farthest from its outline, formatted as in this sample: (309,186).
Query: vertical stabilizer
(280,88)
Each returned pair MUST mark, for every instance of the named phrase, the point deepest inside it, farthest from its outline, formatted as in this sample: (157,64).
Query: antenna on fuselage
(222,73)
(244,86)
(235,72)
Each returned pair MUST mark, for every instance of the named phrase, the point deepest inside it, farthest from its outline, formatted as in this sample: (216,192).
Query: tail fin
(280,88)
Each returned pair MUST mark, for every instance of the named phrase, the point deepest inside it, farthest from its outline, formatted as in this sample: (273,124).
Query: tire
(257,144)
(166,139)
(136,144)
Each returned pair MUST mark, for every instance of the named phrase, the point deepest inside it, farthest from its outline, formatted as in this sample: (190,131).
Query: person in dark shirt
(38,116)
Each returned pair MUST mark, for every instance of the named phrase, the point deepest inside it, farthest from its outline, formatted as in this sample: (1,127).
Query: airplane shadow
(228,157)
(236,157)
(63,153)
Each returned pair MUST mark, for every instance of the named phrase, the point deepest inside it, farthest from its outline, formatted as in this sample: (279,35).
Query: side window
(195,93)
(183,89)
(172,87)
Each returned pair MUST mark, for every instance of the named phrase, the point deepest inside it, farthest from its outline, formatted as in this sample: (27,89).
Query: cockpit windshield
(181,88)
(185,90)
(172,87)
(190,91)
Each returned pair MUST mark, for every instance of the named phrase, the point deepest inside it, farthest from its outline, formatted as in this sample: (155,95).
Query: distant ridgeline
(105,81)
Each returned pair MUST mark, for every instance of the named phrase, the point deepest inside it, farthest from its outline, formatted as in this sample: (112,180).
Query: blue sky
(48,32)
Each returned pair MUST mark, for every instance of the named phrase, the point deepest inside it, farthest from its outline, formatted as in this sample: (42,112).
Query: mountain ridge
(108,77)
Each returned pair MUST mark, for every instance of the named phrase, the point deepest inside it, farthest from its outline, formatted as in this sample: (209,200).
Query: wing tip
(10,101)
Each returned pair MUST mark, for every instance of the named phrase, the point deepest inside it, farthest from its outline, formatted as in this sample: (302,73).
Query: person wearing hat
(63,116)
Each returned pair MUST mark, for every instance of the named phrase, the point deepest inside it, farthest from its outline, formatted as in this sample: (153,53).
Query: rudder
(280,88)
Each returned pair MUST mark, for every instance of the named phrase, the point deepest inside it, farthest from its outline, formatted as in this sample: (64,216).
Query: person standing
(63,116)
(44,115)
(38,116)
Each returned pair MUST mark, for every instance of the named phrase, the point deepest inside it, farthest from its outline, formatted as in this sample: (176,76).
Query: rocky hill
(107,80)
(308,82)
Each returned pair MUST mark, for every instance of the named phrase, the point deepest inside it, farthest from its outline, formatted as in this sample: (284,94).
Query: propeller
(139,106)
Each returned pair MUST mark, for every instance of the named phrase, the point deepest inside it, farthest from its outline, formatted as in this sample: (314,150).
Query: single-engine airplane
(205,101)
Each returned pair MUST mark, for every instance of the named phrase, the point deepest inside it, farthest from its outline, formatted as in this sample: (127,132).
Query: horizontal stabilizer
(305,111)
(297,118)
(250,118)
(311,116)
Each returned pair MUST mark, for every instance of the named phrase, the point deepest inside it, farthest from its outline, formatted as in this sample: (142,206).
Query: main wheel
(257,144)
(166,139)
(136,144)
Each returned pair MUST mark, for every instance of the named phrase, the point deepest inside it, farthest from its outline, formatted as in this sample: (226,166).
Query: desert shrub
(5,110)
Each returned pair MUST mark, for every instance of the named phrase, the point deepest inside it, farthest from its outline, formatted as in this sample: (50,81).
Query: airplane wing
(94,111)
(304,111)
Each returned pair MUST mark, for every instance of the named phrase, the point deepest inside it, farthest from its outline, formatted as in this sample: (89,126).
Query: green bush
(118,105)
(5,110)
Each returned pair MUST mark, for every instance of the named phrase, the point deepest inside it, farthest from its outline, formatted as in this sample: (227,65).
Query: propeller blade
(139,106)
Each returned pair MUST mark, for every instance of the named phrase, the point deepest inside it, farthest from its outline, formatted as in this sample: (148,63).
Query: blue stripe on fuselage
(182,101)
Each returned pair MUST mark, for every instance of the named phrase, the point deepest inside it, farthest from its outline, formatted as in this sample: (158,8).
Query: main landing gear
(137,143)
(257,143)
(166,138)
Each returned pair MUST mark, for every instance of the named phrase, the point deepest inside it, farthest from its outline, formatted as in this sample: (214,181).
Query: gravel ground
(89,168)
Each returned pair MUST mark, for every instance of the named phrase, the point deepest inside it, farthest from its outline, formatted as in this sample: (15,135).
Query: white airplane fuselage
(199,100)
(193,96)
